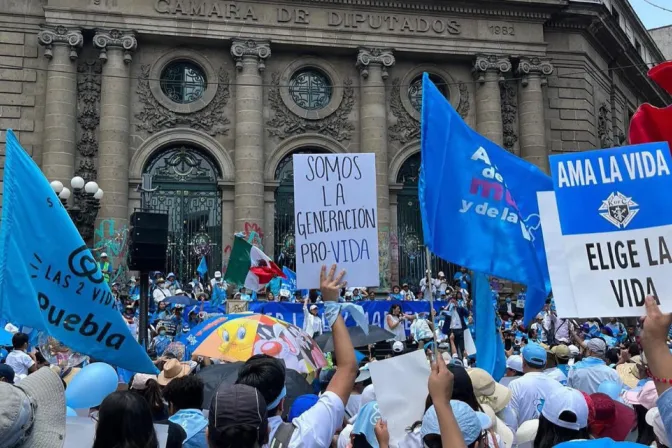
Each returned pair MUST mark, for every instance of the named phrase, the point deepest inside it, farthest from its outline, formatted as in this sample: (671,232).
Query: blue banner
(48,278)
(374,310)
(202,267)
(479,201)
(614,189)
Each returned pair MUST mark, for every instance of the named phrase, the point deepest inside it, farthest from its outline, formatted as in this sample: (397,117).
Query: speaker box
(149,241)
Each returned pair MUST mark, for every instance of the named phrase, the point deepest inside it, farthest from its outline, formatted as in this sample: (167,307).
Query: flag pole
(428,259)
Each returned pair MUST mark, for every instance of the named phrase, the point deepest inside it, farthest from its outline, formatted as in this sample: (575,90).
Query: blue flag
(202,267)
(48,278)
(489,344)
(479,201)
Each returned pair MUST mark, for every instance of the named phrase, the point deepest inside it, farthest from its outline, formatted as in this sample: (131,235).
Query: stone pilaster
(249,151)
(532,73)
(61,45)
(373,64)
(489,72)
(116,48)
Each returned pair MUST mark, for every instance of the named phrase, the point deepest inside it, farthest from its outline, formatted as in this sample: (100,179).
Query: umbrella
(241,338)
(197,335)
(213,376)
(357,336)
(181,300)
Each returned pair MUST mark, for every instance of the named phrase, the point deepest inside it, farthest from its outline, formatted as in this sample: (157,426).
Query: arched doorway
(186,178)
(285,249)
(412,260)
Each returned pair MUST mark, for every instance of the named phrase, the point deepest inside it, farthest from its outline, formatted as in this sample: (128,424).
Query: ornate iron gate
(285,249)
(412,261)
(187,190)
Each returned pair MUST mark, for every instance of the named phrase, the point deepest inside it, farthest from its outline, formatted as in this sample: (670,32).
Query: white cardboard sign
(336,217)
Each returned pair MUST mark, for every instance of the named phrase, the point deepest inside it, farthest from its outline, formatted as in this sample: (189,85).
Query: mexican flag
(249,266)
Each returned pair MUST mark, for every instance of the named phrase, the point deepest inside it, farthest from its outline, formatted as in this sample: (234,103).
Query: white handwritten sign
(336,217)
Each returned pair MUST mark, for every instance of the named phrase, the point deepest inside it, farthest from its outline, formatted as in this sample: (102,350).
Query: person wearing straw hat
(32,413)
(173,369)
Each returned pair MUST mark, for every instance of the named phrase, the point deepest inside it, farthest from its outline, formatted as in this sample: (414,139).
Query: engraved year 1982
(502,30)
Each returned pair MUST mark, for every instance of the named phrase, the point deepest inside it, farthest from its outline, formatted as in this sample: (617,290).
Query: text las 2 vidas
(638,165)
(494,188)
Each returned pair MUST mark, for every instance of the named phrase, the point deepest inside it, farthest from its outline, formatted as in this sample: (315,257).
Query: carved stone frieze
(125,40)
(536,66)
(485,63)
(88,116)
(509,97)
(259,49)
(368,56)
(155,117)
(48,36)
(407,128)
(285,123)
(603,120)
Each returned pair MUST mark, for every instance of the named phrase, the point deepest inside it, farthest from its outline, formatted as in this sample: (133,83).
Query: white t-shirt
(19,361)
(352,407)
(399,331)
(528,394)
(315,427)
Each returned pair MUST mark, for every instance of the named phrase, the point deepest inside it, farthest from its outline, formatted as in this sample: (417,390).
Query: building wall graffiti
(112,239)
(394,254)
(384,258)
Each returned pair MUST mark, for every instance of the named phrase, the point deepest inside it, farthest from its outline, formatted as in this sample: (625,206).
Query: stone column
(489,72)
(249,151)
(60,111)
(532,73)
(373,64)
(116,48)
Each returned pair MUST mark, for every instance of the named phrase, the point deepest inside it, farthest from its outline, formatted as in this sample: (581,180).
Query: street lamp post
(85,203)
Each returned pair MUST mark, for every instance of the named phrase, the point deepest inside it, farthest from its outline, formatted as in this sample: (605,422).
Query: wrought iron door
(412,260)
(187,190)
(285,249)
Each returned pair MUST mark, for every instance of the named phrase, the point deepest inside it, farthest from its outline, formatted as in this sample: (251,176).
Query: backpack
(282,436)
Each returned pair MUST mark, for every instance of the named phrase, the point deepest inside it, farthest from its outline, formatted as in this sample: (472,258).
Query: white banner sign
(336,217)
(608,230)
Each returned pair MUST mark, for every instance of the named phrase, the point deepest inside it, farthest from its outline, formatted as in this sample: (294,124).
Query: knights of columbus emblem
(619,209)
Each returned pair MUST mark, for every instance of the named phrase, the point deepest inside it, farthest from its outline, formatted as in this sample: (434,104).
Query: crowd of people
(563,382)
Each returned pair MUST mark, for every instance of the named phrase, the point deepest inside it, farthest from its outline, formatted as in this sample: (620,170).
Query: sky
(651,16)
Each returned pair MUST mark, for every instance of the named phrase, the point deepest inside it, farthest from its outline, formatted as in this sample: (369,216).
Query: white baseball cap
(515,362)
(218,274)
(398,347)
(103,255)
(566,400)
(573,350)
(526,433)
(654,420)
(364,374)
(284,293)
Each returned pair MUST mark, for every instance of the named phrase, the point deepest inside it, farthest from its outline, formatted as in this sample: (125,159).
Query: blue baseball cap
(301,405)
(534,355)
(471,423)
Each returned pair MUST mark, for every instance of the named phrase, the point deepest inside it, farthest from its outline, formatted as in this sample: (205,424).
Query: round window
(183,82)
(310,89)
(415,90)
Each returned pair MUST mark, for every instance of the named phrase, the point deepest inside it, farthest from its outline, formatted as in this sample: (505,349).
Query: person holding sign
(312,324)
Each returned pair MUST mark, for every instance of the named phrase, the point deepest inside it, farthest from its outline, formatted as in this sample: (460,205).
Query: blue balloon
(611,388)
(69,412)
(91,385)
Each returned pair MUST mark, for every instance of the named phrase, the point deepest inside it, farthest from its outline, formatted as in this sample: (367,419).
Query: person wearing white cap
(172,284)
(312,324)
(514,369)
(564,417)
(531,391)
(219,287)
(588,374)
(105,266)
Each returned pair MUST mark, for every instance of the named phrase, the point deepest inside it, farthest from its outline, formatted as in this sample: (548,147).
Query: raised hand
(331,284)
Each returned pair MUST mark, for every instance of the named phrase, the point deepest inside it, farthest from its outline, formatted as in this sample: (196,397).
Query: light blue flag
(479,201)
(489,344)
(202,267)
(48,278)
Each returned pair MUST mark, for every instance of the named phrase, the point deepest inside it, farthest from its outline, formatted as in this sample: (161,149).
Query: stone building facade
(213,97)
